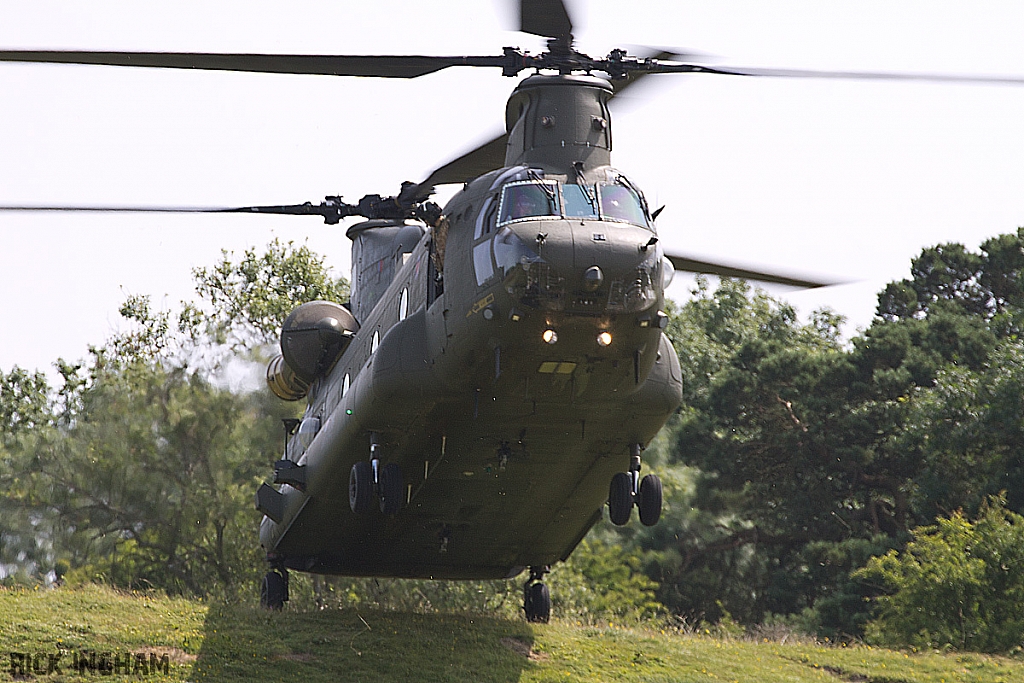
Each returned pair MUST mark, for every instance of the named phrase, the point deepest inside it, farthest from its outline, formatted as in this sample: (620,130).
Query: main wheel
(392,486)
(620,498)
(538,603)
(650,500)
(360,487)
(272,591)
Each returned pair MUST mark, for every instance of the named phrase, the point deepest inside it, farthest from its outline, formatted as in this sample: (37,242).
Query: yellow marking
(482,304)
(556,368)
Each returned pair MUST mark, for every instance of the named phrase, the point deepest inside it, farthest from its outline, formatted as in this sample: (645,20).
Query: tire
(620,499)
(538,603)
(272,592)
(360,487)
(392,486)
(650,500)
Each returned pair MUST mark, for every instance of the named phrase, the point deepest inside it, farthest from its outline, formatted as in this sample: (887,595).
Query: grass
(215,642)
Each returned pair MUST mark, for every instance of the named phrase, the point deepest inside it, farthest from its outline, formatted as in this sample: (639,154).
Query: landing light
(549,336)
(604,339)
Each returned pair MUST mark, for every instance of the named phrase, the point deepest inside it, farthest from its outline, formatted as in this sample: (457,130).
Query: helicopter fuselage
(508,359)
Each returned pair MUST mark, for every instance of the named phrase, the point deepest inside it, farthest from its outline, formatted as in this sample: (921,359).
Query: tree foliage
(958,583)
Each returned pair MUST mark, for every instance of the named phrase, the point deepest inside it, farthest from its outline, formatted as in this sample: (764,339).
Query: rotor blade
(547,18)
(325,210)
(692,265)
(402,66)
(838,75)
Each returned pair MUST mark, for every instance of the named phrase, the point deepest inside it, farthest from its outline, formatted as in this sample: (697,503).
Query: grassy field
(210,642)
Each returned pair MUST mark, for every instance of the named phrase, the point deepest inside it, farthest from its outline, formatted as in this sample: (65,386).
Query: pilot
(527,203)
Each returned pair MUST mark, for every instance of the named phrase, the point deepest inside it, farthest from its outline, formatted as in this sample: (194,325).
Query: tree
(958,583)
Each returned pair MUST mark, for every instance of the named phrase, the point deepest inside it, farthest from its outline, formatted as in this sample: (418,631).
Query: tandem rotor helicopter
(492,383)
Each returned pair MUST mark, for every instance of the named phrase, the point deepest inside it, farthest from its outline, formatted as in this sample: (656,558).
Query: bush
(959,584)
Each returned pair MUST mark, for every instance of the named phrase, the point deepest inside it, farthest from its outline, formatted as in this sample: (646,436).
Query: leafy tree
(957,584)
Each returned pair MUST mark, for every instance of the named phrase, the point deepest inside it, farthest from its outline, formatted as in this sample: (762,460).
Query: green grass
(213,642)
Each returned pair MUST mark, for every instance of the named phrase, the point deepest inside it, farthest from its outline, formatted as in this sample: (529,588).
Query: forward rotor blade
(402,66)
(692,265)
(308,209)
(839,75)
(547,18)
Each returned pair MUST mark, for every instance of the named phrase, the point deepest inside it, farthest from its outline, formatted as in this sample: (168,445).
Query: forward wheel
(273,591)
(620,498)
(649,500)
(392,489)
(537,603)
(360,487)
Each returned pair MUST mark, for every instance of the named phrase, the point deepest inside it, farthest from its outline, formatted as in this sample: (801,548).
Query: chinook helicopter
(492,383)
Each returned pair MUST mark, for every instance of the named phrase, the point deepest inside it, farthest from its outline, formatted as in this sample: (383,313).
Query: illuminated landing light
(604,339)
(549,336)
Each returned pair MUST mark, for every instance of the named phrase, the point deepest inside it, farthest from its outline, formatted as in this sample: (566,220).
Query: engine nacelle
(313,337)
(283,381)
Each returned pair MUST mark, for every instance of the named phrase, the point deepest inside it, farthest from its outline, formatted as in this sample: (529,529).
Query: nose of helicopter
(585,267)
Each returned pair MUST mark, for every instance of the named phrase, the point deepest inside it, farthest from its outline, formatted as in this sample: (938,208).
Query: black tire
(620,498)
(538,603)
(650,500)
(360,487)
(272,592)
(392,488)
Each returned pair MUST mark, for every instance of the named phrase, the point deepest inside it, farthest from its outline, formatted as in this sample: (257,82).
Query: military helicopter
(492,383)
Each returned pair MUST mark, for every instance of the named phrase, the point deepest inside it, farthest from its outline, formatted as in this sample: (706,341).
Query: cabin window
(344,385)
(621,203)
(403,304)
(529,199)
(375,341)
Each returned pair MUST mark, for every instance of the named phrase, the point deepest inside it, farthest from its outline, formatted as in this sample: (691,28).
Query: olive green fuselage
(506,364)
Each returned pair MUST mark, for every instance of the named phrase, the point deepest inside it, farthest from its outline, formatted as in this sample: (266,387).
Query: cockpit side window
(530,199)
(621,203)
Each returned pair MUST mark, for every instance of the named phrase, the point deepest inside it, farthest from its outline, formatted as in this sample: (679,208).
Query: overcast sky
(848,179)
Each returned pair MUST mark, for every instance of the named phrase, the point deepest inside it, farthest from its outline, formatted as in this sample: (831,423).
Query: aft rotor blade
(692,265)
(838,75)
(548,18)
(402,66)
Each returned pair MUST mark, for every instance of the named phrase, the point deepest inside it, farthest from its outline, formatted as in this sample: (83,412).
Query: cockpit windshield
(621,203)
(610,201)
(528,200)
(580,201)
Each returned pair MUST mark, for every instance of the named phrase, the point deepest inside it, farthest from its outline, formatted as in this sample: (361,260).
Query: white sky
(847,179)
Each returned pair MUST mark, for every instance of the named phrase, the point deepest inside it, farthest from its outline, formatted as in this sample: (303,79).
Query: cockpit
(606,201)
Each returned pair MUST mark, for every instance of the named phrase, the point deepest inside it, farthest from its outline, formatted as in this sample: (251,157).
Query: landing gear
(360,487)
(627,489)
(537,597)
(369,482)
(274,590)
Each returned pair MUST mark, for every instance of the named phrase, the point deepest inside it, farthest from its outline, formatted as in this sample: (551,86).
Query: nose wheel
(628,489)
(537,597)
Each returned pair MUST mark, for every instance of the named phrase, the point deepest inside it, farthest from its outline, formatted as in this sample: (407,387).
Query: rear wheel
(360,487)
(273,591)
(650,500)
(538,603)
(620,498)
